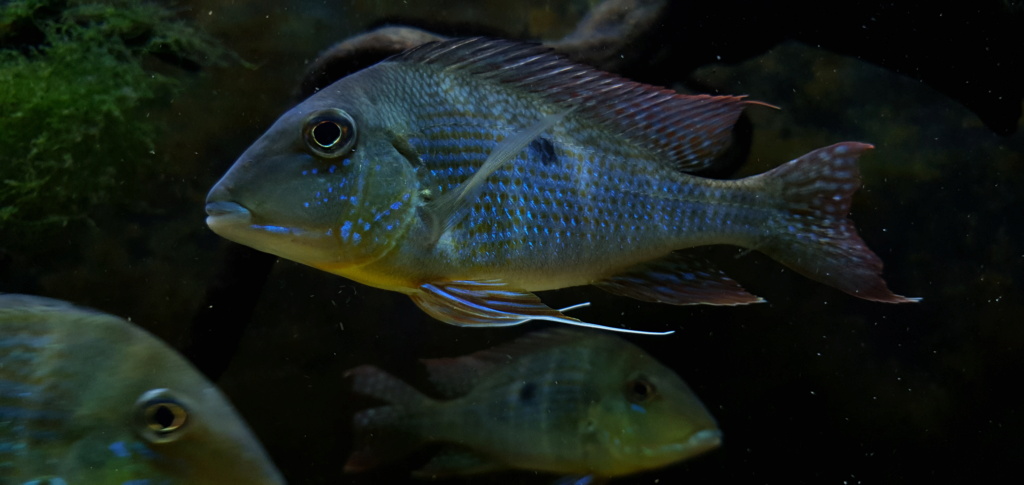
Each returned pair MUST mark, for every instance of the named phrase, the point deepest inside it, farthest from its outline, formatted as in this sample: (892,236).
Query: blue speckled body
(579,204)
(468,173)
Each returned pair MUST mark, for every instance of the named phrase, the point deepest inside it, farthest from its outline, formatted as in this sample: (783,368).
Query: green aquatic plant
(77,81)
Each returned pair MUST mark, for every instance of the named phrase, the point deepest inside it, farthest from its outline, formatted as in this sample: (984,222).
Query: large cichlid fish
(88,398)
(561,401)
(470,173)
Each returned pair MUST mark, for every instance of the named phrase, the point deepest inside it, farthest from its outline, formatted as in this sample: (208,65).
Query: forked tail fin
(389,432)
(815,238)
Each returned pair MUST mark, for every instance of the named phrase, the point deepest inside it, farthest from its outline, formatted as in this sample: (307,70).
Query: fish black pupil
(640,390)
(164,417)
(327,133)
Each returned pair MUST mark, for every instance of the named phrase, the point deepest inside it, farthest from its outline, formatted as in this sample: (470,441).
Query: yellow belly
(371,275)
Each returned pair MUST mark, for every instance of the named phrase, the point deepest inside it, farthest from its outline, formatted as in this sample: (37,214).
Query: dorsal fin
(532,343)
(691,130)
(456,377)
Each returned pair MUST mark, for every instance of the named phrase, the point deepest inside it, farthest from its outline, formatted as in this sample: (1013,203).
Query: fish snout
(221,215)
(222,211)
(218,193)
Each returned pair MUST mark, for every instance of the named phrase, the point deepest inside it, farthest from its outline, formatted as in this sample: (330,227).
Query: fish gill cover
(76,79)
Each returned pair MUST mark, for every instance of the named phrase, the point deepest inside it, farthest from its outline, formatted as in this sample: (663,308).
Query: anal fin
(678,279)
(492,303)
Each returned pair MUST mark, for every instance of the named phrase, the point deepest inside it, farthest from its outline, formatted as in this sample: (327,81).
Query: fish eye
(640,390)
(330,133)
(160,417)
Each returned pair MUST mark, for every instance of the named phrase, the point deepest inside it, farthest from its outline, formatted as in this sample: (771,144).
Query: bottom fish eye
(640,390)
(160,417)
(165,417)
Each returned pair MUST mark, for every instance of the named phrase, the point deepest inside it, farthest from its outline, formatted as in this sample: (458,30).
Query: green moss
(76,79)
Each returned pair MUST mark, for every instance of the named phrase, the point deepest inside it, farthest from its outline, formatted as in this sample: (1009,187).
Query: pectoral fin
(678,279)
(492,303)
(445,211)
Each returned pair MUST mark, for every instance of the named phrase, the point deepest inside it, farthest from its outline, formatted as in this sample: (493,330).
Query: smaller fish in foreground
(563,401)
(88,398)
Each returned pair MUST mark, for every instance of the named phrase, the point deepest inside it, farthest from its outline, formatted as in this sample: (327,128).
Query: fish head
(324,186)
(100,400)
(155,417)
(195,436)
(648,418)
(168,435)
(175,421)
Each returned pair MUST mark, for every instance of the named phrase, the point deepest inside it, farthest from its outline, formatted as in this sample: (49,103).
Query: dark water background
(813,387)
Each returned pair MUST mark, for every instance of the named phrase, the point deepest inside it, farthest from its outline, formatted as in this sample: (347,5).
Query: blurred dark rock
(613,34)
(602,39)
(359,52)
(972,52)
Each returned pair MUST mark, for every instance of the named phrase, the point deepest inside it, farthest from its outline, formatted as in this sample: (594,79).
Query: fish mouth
(221,213)
(700,442)
(704,440)
(235,222)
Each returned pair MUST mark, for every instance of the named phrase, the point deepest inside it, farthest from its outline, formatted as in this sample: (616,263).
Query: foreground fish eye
(640,390)
(160,416)
(330,132)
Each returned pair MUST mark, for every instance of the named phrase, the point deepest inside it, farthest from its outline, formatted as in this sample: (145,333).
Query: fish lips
(231,220)
(704,440)
(698,443)
(237,223)
(222,212)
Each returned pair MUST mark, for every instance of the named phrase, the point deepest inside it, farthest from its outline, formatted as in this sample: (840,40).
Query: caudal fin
(815,238)
(389,432)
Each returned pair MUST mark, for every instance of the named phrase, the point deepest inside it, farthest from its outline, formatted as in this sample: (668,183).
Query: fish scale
(562,393)
(455,151)
(561,205)
(521,171)
(27,395)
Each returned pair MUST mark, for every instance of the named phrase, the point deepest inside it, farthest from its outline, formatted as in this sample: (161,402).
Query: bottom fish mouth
(704,440)
(699,442)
